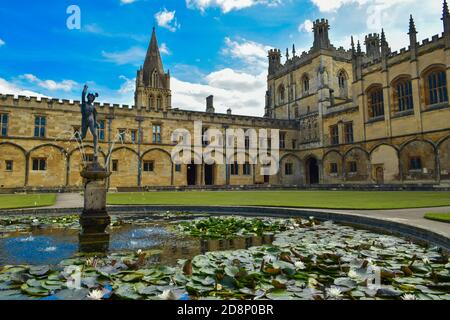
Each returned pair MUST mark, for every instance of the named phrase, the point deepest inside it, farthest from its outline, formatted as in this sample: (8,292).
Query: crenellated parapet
(123,110)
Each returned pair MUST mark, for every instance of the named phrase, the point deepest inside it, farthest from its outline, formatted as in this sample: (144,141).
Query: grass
(442,217)
(14,201)
(304,199)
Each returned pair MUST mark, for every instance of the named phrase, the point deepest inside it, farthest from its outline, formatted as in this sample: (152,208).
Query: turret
(373,46)
(274,60)
(321,38)
(210,104)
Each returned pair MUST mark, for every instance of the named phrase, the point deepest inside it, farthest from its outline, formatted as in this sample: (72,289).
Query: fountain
(95,219)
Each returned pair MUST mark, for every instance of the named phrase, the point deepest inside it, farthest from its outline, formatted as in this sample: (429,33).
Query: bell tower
(152,82)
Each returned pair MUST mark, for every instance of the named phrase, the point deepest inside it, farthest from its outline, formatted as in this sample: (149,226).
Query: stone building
(345,117)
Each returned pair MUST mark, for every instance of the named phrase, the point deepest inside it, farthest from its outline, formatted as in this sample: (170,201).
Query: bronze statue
(89,118)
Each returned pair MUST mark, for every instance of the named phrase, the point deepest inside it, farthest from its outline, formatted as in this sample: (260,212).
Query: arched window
(403,96)
(342,82)
(281,93)
(150,102)
(305,84)
(436,86)
(155,79)
(375,102)
(158,103)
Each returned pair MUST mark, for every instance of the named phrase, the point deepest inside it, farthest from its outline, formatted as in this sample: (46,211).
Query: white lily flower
(334,293)
(139,252)
(96,295)
(167,295)
(299,265)
(409,297)
(352,274)
(426,260)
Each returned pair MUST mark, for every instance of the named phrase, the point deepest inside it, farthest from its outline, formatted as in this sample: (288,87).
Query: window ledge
(375,119)
(405,113)
(438,106)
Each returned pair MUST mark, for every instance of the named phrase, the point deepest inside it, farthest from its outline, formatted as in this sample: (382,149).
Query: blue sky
(210,46)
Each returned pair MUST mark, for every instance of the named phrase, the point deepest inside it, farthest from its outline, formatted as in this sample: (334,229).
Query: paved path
(68,200)
(412,217)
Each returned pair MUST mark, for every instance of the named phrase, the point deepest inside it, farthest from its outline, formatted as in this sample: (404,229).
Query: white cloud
(166,19)
(127,1)
(253,54)
(2,43)
(164,49)
(228,5)
(333,5)
(7,87)
(306,26)
(65,85)
(128,86)
(134,55)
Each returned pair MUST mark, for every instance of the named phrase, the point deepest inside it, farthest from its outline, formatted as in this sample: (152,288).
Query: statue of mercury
(89,118)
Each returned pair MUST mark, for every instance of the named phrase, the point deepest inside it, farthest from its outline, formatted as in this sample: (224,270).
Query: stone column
(95,219)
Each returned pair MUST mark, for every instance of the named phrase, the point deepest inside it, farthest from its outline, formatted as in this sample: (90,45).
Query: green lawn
(12,201)
(443,217)
(305,199)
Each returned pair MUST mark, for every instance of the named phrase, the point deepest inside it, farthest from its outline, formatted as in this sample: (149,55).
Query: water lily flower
(299,265)
(139,252)
(426,260)
(95,295)
(352,274)
(35,221)
(334,293)
(409,297)
(167,295)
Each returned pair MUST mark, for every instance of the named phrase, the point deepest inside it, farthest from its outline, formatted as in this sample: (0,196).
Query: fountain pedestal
(95,219)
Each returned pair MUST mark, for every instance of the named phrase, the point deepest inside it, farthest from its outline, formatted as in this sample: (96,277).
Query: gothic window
(342,81)
(403,97)
(281,94)
(334,135)
(155,79)
(247,169)
(348,132)
(150,102)
(288,169)
(158,103)
(376,102)
(305,82)
(436,86)
(282,140)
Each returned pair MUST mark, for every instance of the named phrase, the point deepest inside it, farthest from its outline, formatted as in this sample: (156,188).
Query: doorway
(266,179)
(313,171)
(379,175)
(191,173)
(209,174)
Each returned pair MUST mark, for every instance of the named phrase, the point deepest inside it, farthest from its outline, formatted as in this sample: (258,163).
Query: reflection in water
(50,246)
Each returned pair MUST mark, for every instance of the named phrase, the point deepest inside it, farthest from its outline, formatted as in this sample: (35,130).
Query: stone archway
(312,171)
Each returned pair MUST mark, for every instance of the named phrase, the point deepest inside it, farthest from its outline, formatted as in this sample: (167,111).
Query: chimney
(229,111)
(210,104)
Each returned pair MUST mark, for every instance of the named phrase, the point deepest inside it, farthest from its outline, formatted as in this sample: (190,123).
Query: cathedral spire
(153,60)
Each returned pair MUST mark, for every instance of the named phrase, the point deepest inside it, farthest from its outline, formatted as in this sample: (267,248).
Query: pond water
(182,255)
(48,242)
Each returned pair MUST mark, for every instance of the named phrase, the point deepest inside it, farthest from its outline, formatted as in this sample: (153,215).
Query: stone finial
(445,11)
(358,48)
(412,26)
(293,50)
(287,54)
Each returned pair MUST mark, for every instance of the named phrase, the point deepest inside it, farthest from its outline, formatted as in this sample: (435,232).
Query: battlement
(9,100)
(320,22)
